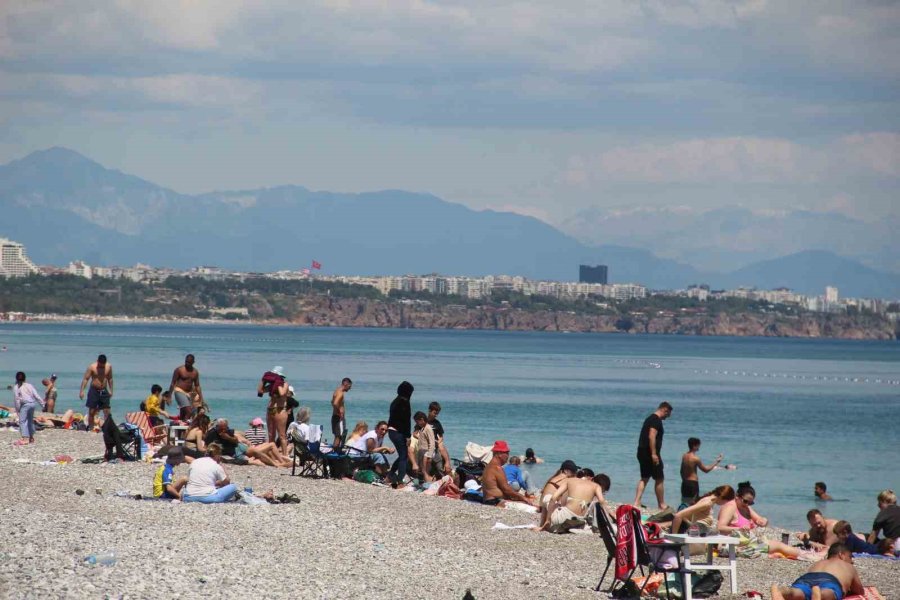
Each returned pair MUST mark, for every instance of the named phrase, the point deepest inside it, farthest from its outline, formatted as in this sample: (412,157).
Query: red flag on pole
(316,264)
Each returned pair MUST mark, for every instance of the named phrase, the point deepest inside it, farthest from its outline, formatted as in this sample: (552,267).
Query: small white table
(177,433)
(710,542)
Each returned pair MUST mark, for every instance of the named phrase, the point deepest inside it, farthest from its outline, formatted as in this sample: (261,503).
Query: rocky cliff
(330,312)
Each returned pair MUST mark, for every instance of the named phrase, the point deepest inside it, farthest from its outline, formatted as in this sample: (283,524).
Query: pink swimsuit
(740,521)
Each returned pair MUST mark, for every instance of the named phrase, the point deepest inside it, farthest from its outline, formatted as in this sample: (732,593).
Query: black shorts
(648,469)
(98,399)
(338,426)
(690,489)
(492,501)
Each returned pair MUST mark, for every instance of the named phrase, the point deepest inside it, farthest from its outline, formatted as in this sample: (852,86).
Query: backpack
(708,585)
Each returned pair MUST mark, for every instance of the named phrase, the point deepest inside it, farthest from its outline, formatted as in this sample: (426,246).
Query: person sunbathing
(570,503)
(737,518)
(234,444)
(568,469)
(821,530)
(701,512)
(828,579)
(496,490)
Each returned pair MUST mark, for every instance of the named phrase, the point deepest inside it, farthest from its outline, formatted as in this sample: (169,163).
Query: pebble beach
(343,540)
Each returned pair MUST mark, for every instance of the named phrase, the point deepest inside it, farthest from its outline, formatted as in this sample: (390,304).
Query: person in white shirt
(207,481)
(26,401)
(299,430)
(372,442)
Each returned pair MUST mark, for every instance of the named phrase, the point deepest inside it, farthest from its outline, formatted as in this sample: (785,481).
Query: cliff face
(330,312)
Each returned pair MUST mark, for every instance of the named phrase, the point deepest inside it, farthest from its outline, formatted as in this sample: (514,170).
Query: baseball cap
(257,422)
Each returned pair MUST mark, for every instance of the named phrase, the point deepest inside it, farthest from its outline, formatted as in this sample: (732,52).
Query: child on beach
(165,486)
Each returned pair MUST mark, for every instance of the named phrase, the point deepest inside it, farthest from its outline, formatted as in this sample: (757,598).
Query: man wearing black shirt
(442,460)
(649,454)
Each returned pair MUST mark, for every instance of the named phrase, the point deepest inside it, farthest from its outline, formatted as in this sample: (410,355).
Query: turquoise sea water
(788,412)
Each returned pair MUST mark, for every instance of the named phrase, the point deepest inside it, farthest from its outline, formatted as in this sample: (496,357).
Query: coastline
(344,539)
(738,326)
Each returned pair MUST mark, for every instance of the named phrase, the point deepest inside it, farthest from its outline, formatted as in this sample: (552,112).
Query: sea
(786,412)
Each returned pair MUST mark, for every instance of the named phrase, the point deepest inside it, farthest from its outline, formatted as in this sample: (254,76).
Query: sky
(542,108)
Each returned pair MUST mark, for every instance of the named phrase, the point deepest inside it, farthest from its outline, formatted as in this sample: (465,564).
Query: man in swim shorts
(829,579)
(690,462)
(100,376)
(338,412)
(186,382)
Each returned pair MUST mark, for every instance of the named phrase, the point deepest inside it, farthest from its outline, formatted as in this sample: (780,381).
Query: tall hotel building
(13,260)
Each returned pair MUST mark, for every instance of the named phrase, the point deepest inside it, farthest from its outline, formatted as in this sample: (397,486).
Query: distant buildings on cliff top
(14,262)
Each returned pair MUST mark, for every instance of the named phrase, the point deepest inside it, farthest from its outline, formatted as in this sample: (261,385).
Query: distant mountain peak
(58,155)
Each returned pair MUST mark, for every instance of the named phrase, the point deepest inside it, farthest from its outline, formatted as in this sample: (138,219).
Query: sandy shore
(344,540)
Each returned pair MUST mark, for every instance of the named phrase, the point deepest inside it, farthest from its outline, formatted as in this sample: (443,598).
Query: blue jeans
(26,420)
(398,469)
(223,494)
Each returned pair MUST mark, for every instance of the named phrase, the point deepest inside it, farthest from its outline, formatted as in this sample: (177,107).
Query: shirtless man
(185,382)
(495,488)
(338,412)
(570,502)
(829,579)
(821,492)
(100,375)
(690,462)
(821,530)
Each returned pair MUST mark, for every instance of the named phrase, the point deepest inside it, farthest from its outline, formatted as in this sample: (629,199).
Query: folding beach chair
(154,436)
(309,457)
(650,555)
(121,443)
(605,528)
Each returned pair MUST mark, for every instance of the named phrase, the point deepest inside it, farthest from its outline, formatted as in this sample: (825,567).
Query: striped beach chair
(153,436)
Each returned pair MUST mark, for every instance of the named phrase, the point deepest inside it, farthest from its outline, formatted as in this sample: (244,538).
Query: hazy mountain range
(63,207)
(727,238)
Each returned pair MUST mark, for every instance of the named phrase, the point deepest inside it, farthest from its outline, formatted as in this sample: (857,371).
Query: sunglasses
(750,502)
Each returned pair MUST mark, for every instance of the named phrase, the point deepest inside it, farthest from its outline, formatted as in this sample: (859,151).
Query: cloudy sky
(546,108)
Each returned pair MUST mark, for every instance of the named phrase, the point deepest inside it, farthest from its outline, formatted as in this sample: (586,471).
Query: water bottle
(107,558)
(248,487)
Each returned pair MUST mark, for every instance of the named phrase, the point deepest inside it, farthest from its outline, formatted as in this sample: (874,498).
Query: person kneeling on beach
(829,579)
(495,488)
(207,481)
(165,486)
(570,503)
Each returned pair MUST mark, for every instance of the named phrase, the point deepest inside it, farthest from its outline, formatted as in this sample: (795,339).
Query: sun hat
(500,446)
(278,370)
(257,422)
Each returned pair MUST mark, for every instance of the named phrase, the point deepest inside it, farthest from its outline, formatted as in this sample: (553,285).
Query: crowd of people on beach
(409,451)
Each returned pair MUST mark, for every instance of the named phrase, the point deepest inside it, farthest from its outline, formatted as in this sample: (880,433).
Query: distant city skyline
(541,109)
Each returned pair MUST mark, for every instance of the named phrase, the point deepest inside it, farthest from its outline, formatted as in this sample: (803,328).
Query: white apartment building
(13,260)
(831,295)
(79,268)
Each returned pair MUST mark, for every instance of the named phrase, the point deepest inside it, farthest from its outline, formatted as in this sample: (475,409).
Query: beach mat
(872,593)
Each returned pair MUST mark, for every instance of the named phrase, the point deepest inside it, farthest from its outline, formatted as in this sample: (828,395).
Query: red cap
(500,446)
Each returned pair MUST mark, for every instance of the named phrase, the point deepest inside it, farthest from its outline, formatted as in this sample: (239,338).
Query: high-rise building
(13,260)
(831,295)
(589,274)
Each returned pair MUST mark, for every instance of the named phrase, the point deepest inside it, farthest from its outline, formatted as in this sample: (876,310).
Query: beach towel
(872,593)
(626,546)
(500,526)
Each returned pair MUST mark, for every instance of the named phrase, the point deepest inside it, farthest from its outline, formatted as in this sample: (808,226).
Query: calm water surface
(788,412)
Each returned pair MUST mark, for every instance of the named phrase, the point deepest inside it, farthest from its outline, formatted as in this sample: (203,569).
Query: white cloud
(878,152)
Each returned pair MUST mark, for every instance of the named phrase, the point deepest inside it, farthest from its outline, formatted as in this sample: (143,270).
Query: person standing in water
(690,462)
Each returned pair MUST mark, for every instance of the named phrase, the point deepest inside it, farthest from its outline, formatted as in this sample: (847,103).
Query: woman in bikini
(194,446)
(737,518)
(568,469)
(277,412)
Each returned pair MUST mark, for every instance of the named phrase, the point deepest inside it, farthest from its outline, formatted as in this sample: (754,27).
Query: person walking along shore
(100,376)
(649,454)
(26,402)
